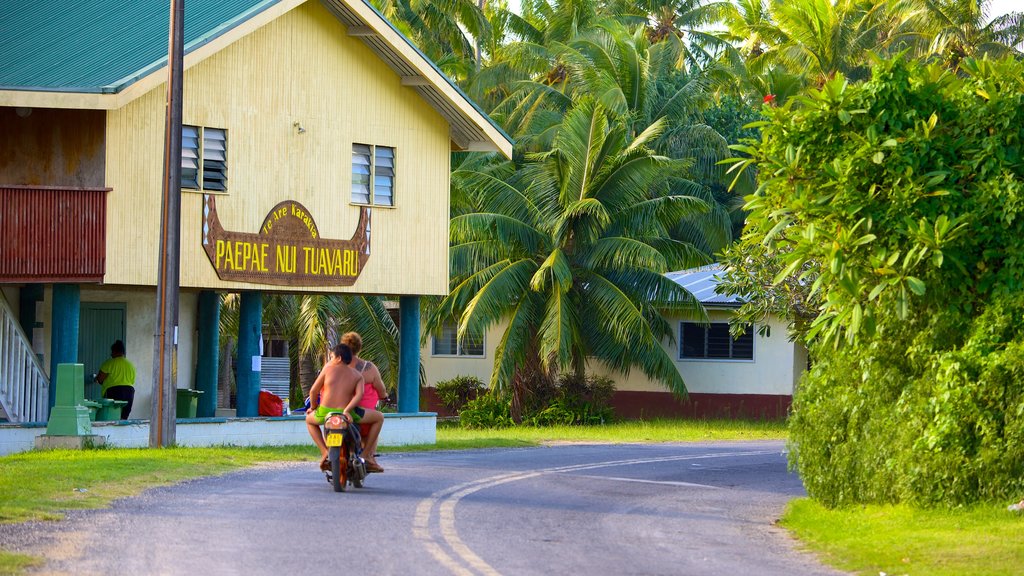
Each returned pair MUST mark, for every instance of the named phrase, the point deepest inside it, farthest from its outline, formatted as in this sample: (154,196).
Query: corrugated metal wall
(52,234)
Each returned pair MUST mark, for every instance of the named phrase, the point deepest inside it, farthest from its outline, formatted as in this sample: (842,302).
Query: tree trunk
(225,375)
(307,373)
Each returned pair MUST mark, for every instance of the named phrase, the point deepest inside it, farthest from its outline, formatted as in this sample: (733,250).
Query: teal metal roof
(101,45)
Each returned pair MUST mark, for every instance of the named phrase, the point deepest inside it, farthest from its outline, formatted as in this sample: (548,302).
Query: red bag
(270,404)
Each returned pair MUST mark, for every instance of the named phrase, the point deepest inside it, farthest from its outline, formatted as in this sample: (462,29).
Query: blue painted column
(409,354)
(250,333)
(209,353)
(67,301)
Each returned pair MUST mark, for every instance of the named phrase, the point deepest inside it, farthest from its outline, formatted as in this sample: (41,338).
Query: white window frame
(446,331)
(379,161)
(750,332)
(207,147)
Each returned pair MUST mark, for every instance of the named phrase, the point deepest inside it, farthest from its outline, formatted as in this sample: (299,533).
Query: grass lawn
(32,489)
(871,540)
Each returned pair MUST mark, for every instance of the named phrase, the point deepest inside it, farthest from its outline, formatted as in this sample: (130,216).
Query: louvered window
(373,175)
(204,167)
(713,342)
(446,344)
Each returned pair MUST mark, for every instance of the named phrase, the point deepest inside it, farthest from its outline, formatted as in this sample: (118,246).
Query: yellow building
(315,159)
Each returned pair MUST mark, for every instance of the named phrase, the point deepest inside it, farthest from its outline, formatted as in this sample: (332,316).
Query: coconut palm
(569,249)
(961,29)
(439,28)
(313,323)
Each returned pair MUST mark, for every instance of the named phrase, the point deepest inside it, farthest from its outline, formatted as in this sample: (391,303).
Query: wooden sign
(287,251)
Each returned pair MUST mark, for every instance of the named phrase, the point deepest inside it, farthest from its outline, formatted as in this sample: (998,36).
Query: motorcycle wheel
(337,471)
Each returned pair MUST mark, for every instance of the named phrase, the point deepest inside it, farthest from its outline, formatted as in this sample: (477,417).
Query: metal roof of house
(100,45)
(103,47)
(703,284)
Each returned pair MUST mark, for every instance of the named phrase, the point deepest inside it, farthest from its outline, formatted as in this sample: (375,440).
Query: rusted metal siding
(51,234)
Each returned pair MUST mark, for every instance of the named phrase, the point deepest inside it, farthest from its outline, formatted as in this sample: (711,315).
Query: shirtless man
(338,386)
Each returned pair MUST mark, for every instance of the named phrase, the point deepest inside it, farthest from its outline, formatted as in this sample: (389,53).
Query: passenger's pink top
(370,395)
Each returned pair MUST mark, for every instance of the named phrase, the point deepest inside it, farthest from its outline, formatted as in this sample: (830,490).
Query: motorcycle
(344,452)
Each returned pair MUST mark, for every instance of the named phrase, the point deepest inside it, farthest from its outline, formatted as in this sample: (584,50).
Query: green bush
(577,400)
(908,417)
(571,400)
(490,410)
(455,393)
(894,210)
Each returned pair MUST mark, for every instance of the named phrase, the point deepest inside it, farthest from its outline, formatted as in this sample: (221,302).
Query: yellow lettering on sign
(220,252)
(307,257)
(263,257)
(286,259)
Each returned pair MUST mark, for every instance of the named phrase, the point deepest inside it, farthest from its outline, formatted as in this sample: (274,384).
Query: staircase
(24,387)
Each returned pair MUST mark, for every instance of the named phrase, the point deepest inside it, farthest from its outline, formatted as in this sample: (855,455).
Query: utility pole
(165,349)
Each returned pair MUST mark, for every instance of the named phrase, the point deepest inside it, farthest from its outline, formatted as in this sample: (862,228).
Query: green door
(100,324)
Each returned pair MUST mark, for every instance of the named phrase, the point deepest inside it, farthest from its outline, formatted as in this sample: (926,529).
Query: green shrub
(907,417)
(455,393)
(893,212)
(577,400)
(490,410)
(572,400)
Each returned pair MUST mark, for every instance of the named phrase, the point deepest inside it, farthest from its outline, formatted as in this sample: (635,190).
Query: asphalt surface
(673,509)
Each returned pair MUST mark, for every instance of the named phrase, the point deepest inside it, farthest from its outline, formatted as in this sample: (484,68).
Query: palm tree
(962,29)
(823,37)
(570,249)
(440,28)
(313,323)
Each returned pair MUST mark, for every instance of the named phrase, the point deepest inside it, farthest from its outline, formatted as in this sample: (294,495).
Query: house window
(713,342)
(373,175)
(446,344)
(204,158)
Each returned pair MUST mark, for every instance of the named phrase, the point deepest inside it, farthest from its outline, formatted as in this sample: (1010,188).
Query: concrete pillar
(409,354)
(208,361)
(250,335)
(67,303)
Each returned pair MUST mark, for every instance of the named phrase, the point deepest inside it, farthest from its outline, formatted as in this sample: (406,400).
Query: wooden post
(165,347)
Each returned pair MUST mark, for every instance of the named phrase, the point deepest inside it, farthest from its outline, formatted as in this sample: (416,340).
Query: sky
(1000,7)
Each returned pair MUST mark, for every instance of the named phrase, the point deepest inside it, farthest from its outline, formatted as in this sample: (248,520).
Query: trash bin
(109,410)
(93,409)
(188,402)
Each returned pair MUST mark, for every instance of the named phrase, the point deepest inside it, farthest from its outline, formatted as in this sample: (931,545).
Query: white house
(751,377)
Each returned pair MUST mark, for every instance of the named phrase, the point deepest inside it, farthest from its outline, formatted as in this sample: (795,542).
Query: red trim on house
(430,402)
(647,405)
(53,234)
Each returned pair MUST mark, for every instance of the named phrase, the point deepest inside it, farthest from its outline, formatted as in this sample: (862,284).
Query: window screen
(204,158)
(190,157)
(713,341)
(446,343)
(215,159)
(384,176)
(360,174)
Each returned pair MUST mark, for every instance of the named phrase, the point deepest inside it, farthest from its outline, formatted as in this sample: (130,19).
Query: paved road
(674,509)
